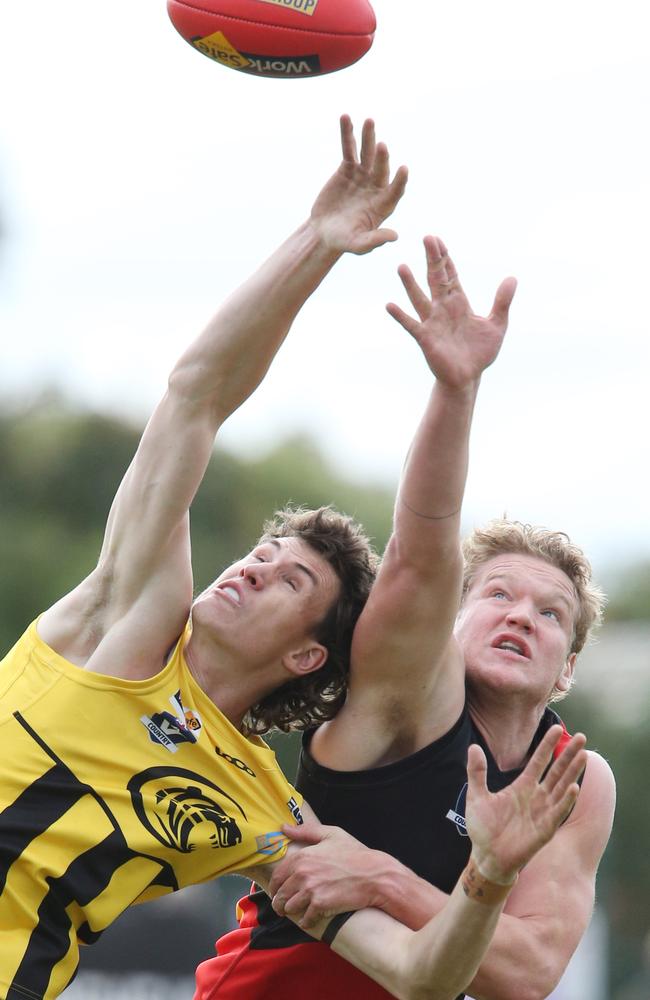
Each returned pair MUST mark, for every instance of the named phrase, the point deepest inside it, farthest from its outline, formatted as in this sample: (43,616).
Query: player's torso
(113,792)
(413,809)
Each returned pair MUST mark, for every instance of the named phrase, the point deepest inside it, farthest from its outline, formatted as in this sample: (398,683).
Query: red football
(277,38)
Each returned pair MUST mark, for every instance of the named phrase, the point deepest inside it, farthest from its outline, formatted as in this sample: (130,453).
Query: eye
(550,613)
(500,594)
(292,583)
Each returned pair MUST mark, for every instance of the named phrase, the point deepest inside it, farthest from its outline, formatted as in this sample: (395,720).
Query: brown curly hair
(307,701)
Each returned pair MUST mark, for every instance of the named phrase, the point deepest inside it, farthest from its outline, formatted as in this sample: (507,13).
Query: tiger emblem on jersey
(184,810)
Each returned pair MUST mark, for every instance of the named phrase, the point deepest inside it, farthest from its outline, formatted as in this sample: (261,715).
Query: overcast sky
(140,182)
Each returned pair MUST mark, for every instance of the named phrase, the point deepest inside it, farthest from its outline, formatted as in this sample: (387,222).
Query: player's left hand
(333,873)
(508,827)
(457,344)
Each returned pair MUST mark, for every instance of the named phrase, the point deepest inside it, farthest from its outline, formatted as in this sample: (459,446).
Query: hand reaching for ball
(354,203)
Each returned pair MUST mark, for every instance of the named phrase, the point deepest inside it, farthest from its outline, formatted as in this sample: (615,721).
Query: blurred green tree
(630,600)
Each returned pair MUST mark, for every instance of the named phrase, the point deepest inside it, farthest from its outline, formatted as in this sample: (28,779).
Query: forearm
(405,896)
(226,363)
(436,962)
(458,346)
(431,491)
(526,957)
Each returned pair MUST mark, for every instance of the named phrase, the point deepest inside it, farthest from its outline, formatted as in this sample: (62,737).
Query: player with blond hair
(129,712)
(447,653)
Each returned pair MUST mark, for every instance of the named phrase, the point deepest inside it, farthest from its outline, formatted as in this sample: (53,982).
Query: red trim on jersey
(564,740)
(240,972)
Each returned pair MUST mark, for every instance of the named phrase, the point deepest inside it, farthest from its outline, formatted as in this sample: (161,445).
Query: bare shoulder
(598,789)
(591,821)
(598,784)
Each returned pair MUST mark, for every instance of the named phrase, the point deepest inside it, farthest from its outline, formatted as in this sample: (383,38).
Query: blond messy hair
(502,536)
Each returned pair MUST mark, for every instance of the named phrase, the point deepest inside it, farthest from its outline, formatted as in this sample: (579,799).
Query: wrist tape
(476,886)
(335,925)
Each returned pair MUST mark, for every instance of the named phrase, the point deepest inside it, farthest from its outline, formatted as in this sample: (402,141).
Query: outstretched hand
(350,209)
(333,873)
(457,344)
(508,827)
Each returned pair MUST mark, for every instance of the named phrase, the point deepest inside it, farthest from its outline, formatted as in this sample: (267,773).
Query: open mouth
(512,645)
(231,593)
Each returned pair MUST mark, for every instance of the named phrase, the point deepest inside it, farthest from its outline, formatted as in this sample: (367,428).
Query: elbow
(181,382)
(190,394)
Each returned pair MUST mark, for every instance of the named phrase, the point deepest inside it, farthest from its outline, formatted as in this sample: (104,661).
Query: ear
(563,683)
(305,660)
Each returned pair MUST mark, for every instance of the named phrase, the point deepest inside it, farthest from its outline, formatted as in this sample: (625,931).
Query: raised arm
(507,829)
(407,673)
(144,567)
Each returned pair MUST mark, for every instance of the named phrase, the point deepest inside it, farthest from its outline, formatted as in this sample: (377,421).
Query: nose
(520,615)
(253,575)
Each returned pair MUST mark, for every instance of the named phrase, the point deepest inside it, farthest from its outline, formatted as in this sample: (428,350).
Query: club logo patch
(457,815)
(185,811)
(270,843)
(169,729)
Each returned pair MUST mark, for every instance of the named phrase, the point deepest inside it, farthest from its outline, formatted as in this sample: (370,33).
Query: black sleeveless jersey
(413,809)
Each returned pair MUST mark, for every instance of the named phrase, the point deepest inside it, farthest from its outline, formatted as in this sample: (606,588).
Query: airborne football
(285,39)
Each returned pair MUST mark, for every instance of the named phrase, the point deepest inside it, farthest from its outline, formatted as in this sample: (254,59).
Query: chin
(205,613)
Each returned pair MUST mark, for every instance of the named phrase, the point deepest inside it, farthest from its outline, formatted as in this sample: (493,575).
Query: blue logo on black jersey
(457,815)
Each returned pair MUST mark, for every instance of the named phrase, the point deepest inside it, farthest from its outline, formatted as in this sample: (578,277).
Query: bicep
(550,908)
(156,492)
(404,658)
(560,880)
(144,571)
(410,614)
(146,546)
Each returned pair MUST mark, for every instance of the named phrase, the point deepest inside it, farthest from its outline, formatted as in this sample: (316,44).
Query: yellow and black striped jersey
(113,792)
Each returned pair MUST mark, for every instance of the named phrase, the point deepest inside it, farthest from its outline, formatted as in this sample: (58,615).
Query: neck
(225,680)
(508,729)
